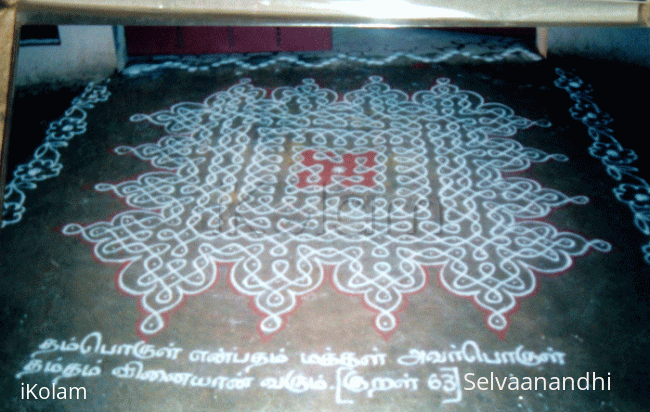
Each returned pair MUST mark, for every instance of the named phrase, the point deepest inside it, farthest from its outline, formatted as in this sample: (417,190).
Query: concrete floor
(350,316)
(412,40)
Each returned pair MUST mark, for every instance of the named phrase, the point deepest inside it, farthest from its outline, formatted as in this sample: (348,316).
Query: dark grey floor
(596,313)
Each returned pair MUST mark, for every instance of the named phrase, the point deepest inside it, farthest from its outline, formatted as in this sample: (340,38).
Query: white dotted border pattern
(633,190)
(498,51)
(46,162)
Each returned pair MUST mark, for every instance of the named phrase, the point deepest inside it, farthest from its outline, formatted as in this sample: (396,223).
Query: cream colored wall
(85,53)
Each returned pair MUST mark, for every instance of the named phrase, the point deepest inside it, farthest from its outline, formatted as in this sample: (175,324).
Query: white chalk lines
(46,162)
(374,190)
(632,190)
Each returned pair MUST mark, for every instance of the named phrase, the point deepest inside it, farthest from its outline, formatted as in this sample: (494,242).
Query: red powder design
(331,169)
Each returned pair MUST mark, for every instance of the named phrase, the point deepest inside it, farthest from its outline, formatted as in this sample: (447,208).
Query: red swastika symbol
(344,169)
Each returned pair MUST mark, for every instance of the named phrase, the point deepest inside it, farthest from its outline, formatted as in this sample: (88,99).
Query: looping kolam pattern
(46,161)
(228,191)
(633,190)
